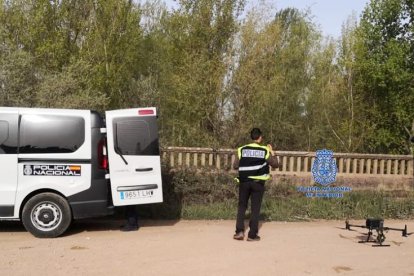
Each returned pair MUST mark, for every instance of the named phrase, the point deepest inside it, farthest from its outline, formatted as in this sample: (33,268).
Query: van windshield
(136,135)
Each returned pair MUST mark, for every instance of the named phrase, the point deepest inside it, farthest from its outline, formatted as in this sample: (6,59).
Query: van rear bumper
(92,208)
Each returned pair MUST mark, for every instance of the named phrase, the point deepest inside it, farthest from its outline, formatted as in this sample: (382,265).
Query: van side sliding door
(134,157)
(8,162)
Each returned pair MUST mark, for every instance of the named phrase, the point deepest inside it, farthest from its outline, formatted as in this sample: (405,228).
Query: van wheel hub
(46,216)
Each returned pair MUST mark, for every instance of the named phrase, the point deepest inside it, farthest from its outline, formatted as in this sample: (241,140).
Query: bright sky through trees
(329,14)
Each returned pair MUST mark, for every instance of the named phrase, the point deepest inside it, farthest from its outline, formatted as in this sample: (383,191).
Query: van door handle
(143,169)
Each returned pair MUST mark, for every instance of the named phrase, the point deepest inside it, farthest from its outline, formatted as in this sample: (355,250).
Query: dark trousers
(131,215)
(253,190)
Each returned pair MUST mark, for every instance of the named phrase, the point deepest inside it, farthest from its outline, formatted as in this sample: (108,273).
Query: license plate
(136,194)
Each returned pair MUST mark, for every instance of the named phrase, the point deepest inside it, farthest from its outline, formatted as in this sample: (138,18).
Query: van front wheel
(46,215)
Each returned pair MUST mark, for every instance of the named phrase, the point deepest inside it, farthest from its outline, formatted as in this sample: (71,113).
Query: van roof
(4,108)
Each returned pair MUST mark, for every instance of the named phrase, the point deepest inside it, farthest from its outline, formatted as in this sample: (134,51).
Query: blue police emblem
(324,167)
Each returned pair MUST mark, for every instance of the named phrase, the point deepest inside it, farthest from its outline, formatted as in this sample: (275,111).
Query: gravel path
(97,247)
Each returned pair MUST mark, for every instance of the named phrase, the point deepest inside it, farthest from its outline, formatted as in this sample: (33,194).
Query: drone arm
(404,231)
(348,226)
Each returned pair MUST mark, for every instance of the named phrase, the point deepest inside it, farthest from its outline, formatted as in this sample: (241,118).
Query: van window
(8,134)
(4,131)
(51,133)
(136,135)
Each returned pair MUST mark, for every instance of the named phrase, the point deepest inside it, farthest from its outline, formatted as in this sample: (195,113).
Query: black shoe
(257,238)
(128,228)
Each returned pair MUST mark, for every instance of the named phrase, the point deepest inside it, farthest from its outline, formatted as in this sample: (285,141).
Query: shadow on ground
(111,224)
(89,225)
(11,226)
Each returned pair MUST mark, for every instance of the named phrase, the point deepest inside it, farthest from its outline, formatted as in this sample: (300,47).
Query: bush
(192,194)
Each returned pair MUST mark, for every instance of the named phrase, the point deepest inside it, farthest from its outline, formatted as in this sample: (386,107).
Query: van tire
(46,215)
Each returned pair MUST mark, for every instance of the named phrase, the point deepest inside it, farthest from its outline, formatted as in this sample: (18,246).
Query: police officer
(252,162)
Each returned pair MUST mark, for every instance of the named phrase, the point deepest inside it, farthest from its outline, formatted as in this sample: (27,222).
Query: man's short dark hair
(255,133)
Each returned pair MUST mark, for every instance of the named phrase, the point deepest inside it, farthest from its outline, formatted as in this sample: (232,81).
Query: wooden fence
(373,170)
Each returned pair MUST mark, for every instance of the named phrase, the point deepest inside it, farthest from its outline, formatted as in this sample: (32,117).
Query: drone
(377,225)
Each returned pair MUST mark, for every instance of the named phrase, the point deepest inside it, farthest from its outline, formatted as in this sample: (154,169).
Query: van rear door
(134,157)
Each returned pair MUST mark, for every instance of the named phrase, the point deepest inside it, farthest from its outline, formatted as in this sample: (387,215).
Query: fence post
(180,159)
(187,159)
(375,167)
(410,169)
(284,164)
(341,165)
(171,159)
(368,170)
(402,168)
(348,165)
(388,166)
(291,163)
(203,159)
(354,165)
(361,165)
(396,167)
(306,164)
(195,159)
(382,166)
(298,164)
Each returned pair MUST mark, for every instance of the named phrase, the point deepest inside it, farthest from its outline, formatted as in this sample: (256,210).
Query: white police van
(59,164)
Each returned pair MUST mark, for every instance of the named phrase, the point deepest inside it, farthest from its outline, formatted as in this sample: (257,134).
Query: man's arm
(273,161)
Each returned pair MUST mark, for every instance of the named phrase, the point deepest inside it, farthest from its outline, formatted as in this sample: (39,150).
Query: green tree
(272,77)
(112,48)
(199,41)
(19,78)
(385,62)
(93,47)
(335,110)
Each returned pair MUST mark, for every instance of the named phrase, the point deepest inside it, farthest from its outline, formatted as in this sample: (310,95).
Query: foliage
(386,67)
(272,78)
(200,195)
(215,69)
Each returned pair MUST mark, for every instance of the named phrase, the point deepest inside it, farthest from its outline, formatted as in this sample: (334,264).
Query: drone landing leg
(380,238)
(369,236)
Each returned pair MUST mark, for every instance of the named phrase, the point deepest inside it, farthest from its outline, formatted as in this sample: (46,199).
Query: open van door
(134,157)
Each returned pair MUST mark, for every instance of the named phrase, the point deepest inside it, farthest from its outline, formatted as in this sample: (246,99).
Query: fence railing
(294,162)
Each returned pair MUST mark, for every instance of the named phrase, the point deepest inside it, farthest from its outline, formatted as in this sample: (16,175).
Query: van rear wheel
(46,215)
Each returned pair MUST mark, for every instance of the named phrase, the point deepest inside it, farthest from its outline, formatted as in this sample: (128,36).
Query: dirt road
(97,247)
